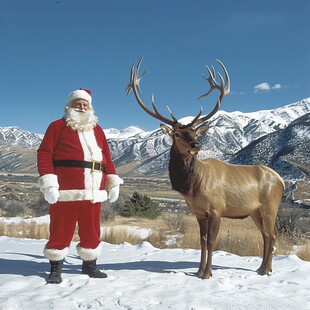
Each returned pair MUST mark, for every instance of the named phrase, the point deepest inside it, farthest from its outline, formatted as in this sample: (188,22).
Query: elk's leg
(270,228)
(258,220)
(214,221)
(203,225)
(267,228)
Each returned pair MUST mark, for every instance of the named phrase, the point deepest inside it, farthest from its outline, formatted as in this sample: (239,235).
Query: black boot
(55,275)
(90,268)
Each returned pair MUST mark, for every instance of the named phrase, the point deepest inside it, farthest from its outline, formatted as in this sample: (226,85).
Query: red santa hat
(80,94)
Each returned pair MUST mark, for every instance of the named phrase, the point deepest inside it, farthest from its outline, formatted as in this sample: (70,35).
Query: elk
(212,188)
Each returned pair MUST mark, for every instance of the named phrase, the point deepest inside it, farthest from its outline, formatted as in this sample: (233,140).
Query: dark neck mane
(182,174)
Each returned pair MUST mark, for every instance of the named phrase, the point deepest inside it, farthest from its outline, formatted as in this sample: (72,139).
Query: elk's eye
(177,135)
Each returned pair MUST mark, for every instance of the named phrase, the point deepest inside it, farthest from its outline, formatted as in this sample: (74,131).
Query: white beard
(82,121)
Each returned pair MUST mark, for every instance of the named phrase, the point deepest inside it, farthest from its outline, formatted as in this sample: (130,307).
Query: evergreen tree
(142,206)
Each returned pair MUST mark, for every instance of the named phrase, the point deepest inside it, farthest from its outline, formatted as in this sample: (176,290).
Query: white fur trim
(55,255)
(82,194)
(79,94)
(91,142)
(86,151)
(113,180)
(92,180)
(89,254)
(48,180)
(99,196)
(87,157)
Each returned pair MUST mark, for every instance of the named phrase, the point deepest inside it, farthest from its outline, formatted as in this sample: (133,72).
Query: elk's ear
(166,130)
(202,130)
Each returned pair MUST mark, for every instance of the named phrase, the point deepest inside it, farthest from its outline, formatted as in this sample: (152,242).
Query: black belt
(95,166)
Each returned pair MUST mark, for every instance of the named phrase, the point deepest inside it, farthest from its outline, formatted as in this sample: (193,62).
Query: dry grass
(25,230)
(235,236)
(175,230)
(28,230)
(117,235)
(304,252)
(242,236)
(239,237)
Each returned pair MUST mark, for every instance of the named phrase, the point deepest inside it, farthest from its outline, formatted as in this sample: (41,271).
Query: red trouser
(65,215)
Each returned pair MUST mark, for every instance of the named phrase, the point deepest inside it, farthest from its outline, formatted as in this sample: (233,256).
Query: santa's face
(80,105)
(80,116)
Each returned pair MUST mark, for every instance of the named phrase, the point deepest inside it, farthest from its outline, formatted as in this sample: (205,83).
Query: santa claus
(75,168)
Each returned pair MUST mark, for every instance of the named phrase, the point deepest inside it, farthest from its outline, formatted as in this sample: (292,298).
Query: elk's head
(184,136)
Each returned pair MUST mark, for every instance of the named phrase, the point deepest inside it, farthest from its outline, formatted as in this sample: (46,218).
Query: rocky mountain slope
(288,152)
(18,149)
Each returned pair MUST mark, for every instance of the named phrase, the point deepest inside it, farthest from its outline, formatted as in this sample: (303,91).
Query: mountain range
(228,135)
(279,138)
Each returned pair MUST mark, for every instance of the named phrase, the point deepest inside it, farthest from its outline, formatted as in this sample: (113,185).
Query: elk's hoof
(200,272)
(207,275)
(263,271)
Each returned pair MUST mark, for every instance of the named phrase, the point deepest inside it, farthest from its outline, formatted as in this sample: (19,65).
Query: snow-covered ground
(144,277)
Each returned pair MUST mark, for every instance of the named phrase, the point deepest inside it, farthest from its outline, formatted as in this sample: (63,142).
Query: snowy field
(144,277)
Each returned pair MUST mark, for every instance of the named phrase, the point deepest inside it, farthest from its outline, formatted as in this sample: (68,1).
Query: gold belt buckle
(93,166)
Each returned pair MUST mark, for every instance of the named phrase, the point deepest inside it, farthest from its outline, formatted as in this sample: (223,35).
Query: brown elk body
(214,189)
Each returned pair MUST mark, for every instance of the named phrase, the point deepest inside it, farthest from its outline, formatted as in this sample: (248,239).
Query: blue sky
(49,48)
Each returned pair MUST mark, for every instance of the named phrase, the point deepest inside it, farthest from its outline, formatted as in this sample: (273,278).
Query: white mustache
(79,110)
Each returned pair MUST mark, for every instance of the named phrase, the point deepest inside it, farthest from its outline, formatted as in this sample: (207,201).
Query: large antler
(224,90)
(134,84)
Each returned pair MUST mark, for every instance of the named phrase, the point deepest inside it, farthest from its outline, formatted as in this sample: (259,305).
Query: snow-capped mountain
(15,136)
(126,133)
(229,133)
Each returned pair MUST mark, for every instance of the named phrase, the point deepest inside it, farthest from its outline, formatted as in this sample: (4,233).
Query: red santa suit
(81,190)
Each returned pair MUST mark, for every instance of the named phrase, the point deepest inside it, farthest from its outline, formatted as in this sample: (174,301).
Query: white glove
(113,193)
(51,194)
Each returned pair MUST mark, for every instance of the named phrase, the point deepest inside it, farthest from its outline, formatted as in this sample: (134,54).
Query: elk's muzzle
(196,146)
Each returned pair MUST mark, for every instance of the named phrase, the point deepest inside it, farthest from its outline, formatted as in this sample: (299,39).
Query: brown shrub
(174,221)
